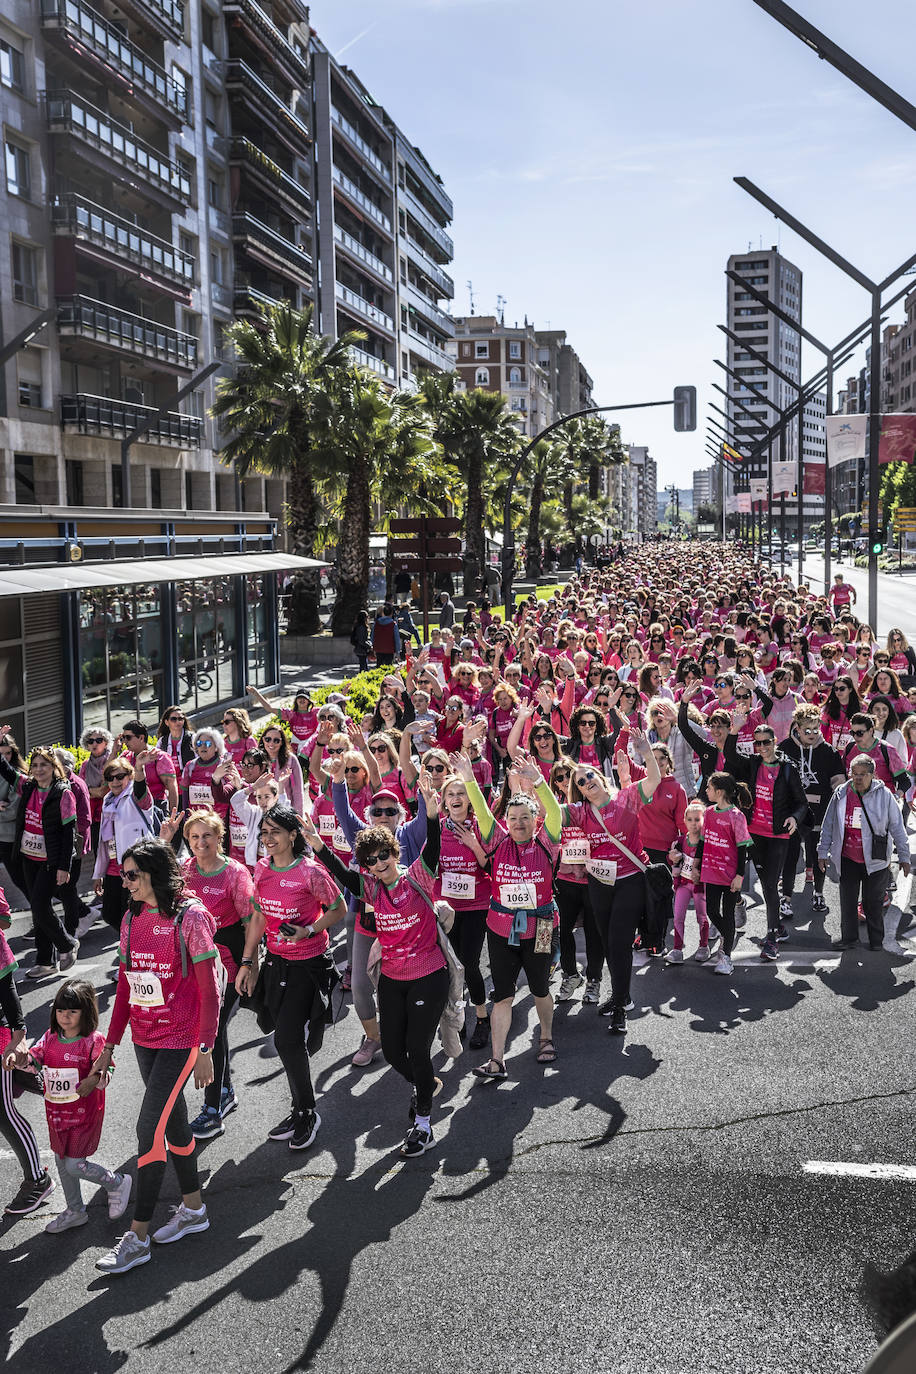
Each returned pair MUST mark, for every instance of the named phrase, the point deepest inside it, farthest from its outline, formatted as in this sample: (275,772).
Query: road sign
(406,526)
(401,546)
(443,546)
(442,524)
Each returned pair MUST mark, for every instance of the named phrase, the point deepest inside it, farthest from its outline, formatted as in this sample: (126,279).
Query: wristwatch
(205,1049)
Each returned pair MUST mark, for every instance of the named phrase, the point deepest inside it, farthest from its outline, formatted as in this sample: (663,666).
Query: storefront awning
(69,577)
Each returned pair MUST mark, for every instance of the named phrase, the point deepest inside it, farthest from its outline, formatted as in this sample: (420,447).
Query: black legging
(409,1012)
(291,991)
(769,856)
(619,910)
(74,906)
(50,934)
(720,908)
(573,900)
(160,1071)
(16,1131)
(114,900)
(466,937)
(793,850)
(222,1078)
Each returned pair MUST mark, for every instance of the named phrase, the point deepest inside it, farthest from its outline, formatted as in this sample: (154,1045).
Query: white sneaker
(86,923)
(119,1197)
(183,1222)
(895,947)
(41,971)
(702,954)
(69,959)
(674,956)
(640,958)
(785,906)
(592,991)
(569,985)
(723,965)
(67,1221)
(128,1252)
(740,914)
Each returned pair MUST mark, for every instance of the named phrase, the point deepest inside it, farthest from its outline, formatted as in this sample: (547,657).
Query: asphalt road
(896,594)
(640,1206)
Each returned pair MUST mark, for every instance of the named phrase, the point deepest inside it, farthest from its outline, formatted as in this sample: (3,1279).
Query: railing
(172,12)
(115,49)
(263,21)
(360,144)
(71,114)
(95,320)
(437,356)
(247,226)
(239,73)
(425,219)
(94,414)
(369,360)
(75,215)
(363,307)
(243,150)
(218,219)
(431,311)
(352,190)
(246,296)
(430,267)
(418,165)
(354,246)
(220,294)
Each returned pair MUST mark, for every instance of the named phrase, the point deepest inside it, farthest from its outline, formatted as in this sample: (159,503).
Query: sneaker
(480,1035)
(818,903)
(606,1008)
(128,1252)
(227,1102)
(368,1050)
(809,875)
(183,1222)
(640,958)
(674,956)
(781,933)
(118,1198)
(569,985)
(702,954)
(42,971)
(85,923)
(844,944)
(723,965)
(307,1124)
(629,1005)
(740,914)
(618,1024)
(67,1221)
(438,1085)
(715,939)
(785,907)
(31,1195)
(207,1124)
(416,1142)
(895,947)
(268,1049)
(67,960)
(285,1129)
(769,950)
(592,993)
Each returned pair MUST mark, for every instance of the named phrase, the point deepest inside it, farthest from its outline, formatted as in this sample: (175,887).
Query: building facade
(643,480)
(567,378)
(504,358)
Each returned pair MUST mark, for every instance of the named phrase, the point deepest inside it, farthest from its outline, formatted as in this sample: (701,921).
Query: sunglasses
(540,734)
(842,687)
(586,777)
(117,777)
(228,720)
(175,717)
(383,811)
(591,722)
(378,748)
(858,734)
(130,875)
(561,773)
(382,856)
(435,768)
(271,739)
(96,739)
(764,739)
(720,682)
(355,768)
(632,695)
(742,696)
(204,744)
(338,749)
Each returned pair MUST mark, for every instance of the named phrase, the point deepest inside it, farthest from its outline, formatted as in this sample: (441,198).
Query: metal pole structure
(828,483)
(800,488)
(147,424)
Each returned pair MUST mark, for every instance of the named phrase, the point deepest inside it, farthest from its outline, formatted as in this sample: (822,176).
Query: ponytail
(735,792)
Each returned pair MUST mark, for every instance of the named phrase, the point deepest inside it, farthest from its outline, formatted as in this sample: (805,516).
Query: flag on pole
(731,454)
(783,477)
(898,439)
(845,438)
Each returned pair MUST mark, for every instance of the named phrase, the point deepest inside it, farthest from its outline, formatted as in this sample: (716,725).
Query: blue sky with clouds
(590,146)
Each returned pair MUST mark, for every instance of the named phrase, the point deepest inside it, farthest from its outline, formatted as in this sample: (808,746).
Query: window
(482,350)
(24,478)
(73,475)
(117,487)
(155,488)
(28,366)
(465,350)
(515,348)
(482,377)
(208,29)
(403,269)
(215,193)
(12,66)
(18,169)
(189,491)
(211,109)
(515,376)
(188,244)
(121,653)
(216,267)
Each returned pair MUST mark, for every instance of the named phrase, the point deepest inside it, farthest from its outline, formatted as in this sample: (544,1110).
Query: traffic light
(877,545)
(685,408)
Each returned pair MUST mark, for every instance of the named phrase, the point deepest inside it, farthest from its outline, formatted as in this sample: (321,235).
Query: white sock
(423,1123)
(197,1211)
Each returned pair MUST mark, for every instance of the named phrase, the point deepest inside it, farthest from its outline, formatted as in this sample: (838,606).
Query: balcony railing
(278,41)
(425,349)
(89,319)
(425,219)
(354,246)
(107,41)
(68,113)
(75,215)
(245,297)
(363,307)
(423,172)
(431,268)
(375,364)
(248,227)
(103,415)
(239,74)
(431,311)
(360,144)
(243,150)
(352,190)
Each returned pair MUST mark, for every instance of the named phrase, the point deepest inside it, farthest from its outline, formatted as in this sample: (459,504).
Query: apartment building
(494,356)
(643,479)
(567,378)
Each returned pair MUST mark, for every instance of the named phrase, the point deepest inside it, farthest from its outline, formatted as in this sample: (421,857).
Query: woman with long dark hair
(174,737)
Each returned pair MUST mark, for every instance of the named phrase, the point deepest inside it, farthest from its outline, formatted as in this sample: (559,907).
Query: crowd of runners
(683,731)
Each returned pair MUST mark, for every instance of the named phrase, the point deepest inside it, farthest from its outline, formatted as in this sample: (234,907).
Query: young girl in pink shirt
(724,853)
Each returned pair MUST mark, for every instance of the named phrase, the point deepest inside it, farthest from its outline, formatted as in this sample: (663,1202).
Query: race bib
(339,840)
(575,851)
(516,895)
(745,748)
(843,743)
(459,885)
(61,1084)
(112,849)
(855,820)
(326,824)
(145,988)
(605,870)
(812,796)
(238,834)
(200,794)
(687,866)
(33,844)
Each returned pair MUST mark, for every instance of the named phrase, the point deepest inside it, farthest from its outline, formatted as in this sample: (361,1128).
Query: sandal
(488,1074)
(547,1053)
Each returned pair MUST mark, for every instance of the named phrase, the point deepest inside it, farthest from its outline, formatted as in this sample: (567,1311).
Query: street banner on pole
(898,439)
(783,477)
(814,478)
(845,438)
(744,502)
(731,504)
(758,486)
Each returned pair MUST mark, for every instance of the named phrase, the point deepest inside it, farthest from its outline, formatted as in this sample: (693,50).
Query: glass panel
(152,702)
(11,679)
(10,618)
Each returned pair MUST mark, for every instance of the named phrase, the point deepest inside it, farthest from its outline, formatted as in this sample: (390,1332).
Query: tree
(547,472)
(706,513)
(285,368)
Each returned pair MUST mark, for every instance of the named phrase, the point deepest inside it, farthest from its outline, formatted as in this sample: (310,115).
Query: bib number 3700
(145,989)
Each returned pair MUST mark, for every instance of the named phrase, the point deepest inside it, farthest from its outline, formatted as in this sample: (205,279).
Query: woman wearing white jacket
(126,817)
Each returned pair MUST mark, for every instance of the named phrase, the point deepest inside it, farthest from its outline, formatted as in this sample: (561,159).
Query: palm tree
(548,471)
(269,405)
(475,432)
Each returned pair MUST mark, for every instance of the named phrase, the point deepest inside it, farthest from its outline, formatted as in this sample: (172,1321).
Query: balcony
(351,190)
(354,247)
(377,365)
(427,265)
(70,114)
(362,147)
(357,305)
(166,17)
(426,221)
(423,172)
(82,317)
(121,240)
(83,30)
(430,311)
(246,300)
(104,415)
(436,357)
(270,246)
(270,174)
(266,104)
(274,44)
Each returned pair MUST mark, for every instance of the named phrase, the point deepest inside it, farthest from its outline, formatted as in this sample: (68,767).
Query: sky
(590,149)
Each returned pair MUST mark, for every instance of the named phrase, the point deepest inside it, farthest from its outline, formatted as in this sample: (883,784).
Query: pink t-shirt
(620,819)
(522,877)
(8,966)
(405,924)
(74,1123)
(32,843)
(201,789)
(296,894)
(723,831)
(238,748)
(159,766)
(461,881)
(762,817)
(164,1007)
(852,833)
(302,725)
(227,896)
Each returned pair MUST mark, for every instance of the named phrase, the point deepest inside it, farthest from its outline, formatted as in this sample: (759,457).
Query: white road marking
(839,1169)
